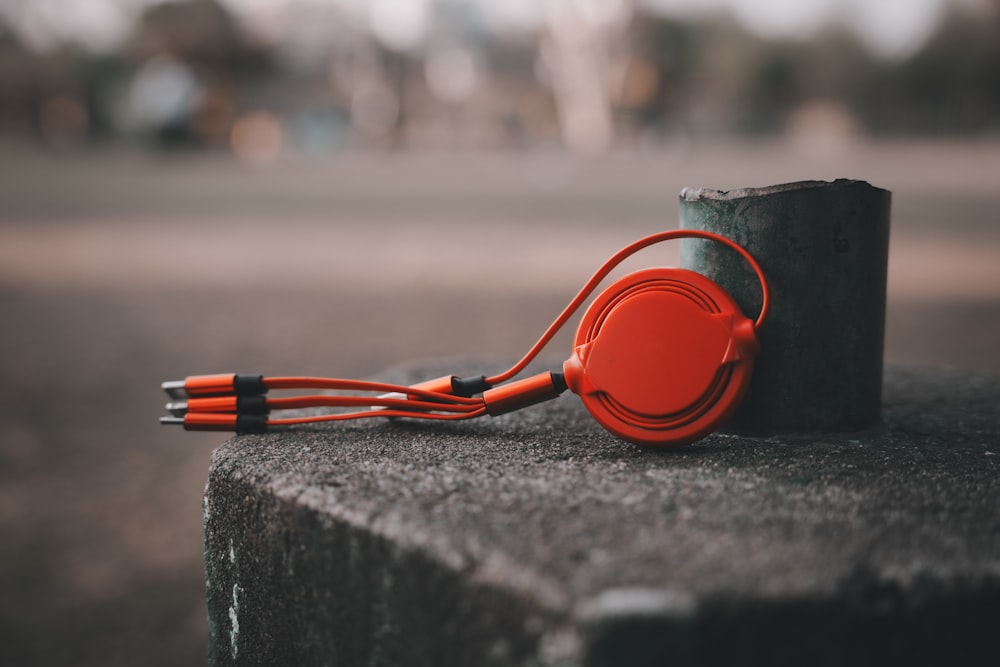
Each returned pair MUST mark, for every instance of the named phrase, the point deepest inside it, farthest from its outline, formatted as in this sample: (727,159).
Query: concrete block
(537,539)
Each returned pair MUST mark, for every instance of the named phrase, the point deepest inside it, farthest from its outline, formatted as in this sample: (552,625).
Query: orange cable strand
(608,267)
(302,382)
(292,421)
(297,402)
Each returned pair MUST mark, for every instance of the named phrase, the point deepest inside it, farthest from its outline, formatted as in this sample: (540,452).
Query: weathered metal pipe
(824,247)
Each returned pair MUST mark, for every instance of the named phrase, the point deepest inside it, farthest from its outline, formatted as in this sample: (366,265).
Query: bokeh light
(257,137)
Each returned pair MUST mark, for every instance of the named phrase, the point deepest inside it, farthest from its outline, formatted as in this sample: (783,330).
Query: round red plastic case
(662,357)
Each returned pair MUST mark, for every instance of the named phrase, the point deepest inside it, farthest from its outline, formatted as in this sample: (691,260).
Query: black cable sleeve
(252,405)
(251,423)
(468,387)
(248,385)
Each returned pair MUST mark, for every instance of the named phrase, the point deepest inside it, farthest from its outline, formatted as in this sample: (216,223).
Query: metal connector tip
(172,421)
(175,388)
(177,408)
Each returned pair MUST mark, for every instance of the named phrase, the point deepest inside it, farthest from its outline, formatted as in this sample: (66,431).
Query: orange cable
(292,421)
(301,382)
(297,402)
(608,267)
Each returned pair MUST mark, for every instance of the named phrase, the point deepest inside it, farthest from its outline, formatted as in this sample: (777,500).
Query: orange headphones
(661,358)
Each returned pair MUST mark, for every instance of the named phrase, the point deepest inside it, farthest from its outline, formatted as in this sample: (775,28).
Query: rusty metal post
(824,247)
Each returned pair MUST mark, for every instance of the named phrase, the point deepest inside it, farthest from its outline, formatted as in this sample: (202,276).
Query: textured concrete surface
(535,538)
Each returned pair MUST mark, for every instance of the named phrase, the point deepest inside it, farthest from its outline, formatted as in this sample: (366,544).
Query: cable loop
(610,265)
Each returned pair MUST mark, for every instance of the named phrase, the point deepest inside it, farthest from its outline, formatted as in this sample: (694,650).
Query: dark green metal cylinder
(824,248)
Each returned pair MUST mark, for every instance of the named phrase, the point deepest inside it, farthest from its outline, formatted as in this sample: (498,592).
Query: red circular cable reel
(662,357)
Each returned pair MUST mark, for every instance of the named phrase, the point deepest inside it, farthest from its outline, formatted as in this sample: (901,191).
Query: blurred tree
(17,85)
(775,85)
(741,83)
(202,34)
(56,95)
(951,86)
(197,50)
(657,88)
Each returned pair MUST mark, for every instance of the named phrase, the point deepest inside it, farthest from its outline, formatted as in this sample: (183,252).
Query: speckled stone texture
(537,539)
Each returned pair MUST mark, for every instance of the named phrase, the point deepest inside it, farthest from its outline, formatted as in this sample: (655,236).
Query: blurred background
(333,187)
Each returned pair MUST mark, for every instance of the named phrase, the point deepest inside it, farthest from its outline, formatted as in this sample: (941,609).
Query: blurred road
(119,270)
